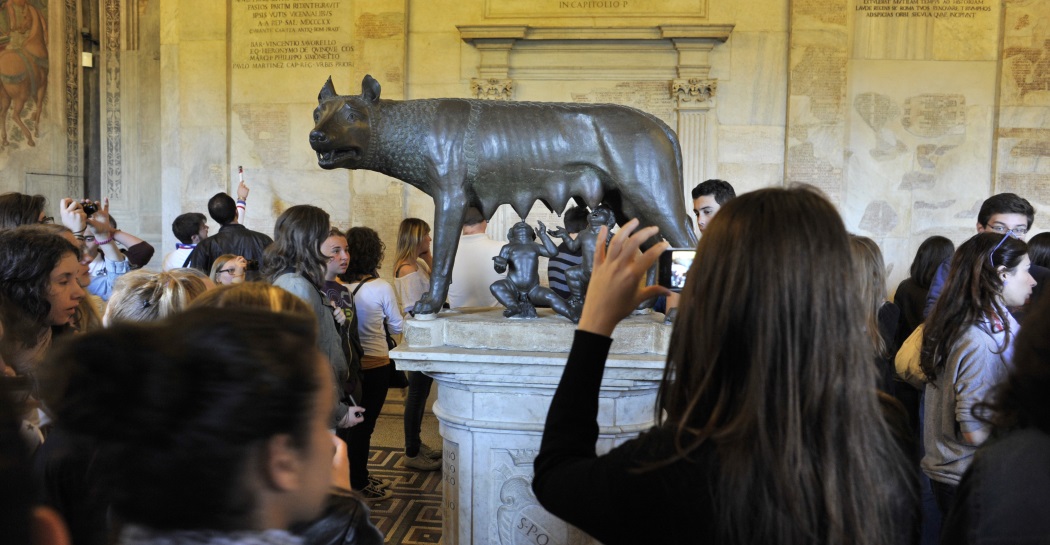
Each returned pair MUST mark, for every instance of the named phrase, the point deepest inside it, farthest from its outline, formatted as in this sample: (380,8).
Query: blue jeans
(416,402)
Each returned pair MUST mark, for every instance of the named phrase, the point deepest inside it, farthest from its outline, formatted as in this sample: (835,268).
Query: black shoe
(377,483)
(372,493)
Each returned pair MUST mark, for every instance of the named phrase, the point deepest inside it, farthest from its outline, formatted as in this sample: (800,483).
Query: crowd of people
(232,396)
(784,415)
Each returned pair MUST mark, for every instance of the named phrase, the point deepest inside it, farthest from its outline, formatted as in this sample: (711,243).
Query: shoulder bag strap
(359,284)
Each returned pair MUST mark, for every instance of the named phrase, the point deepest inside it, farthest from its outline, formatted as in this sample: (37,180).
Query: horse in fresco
(23,68)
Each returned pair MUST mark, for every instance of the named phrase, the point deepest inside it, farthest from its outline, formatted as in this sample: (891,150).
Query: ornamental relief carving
(693,91)
(72,92)
(492,89)
(114,153)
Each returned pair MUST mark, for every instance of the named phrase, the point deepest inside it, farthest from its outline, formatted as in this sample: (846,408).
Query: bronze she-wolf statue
(483,154)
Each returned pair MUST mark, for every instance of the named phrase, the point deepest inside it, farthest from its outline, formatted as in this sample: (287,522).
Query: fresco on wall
(1023,146)
(23,70)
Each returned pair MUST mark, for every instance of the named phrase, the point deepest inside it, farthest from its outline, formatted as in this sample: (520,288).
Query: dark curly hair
(28,254)
(366,252)
(20,209)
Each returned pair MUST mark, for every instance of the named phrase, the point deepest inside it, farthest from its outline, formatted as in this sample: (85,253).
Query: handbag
(908,362)
(398,379)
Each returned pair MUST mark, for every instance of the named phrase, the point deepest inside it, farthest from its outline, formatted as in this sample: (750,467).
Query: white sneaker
(422,463)
(432,453)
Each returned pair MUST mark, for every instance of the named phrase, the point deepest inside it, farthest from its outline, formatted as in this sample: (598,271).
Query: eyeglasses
(47,219)
(232,272)
(1009,233)
(1002,230)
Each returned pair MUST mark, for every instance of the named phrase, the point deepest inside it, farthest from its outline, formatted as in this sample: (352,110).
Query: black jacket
(235,239)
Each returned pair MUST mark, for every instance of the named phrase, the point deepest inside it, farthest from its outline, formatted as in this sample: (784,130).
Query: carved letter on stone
(693,90)
(492,89)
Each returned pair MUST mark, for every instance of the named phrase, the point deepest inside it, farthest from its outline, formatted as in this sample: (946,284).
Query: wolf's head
(343,126)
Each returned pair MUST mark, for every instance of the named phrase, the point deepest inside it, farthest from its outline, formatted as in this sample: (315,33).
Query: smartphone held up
(673,267)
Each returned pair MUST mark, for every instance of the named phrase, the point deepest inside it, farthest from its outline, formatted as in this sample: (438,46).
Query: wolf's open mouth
(337,156)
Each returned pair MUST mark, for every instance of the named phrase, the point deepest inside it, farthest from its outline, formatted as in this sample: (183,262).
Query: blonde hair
(409,235)
(869,269)
(144,296)
(217,266)
(87,317)
(255,295)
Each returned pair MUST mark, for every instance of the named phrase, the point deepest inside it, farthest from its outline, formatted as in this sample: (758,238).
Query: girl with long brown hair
(295,262)
(773,431)
(1003,495)
(966,350)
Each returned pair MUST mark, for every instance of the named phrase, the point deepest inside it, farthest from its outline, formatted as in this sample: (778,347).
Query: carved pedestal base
(496,378)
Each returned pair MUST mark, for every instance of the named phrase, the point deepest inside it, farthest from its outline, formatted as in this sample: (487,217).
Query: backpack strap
(359,284)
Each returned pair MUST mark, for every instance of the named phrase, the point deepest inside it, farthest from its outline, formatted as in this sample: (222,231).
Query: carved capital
(491,88)
(693,91)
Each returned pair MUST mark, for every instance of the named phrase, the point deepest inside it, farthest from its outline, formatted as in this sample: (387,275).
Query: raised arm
(242,201)
(571,480)
(549,249)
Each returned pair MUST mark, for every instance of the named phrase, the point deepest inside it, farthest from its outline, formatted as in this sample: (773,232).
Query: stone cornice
(482,33)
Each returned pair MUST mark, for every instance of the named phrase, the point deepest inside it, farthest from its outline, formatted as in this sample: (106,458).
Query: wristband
(241,204)
(100,242)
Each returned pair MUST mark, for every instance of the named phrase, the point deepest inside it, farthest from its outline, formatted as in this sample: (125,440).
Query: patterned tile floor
(413,514)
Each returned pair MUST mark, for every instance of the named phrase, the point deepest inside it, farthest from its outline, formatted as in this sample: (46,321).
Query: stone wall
(892,111)
(1022,138)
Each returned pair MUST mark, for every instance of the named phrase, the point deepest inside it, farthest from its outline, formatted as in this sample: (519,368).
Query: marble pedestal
(496,378)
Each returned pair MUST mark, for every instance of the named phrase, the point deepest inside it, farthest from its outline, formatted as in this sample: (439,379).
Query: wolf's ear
(327,92)
(370,89)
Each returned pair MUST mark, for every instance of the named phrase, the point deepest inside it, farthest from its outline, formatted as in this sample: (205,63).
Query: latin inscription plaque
(285,34)
(933,9)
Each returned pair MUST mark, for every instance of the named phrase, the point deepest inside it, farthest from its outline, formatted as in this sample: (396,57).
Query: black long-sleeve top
(618,497)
